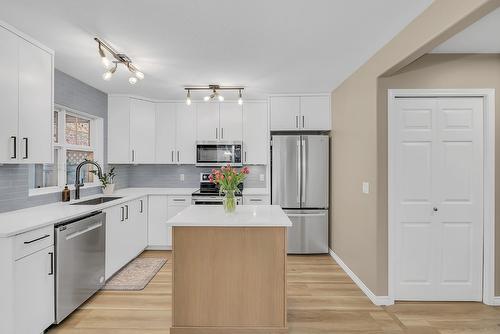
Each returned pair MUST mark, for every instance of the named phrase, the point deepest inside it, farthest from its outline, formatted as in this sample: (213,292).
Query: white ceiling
(279,46)
(481,37)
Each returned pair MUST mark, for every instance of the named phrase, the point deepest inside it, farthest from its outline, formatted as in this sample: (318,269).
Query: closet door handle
(25,139)
(51,263)
(14,145)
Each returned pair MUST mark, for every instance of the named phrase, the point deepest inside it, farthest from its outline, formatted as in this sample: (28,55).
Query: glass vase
(229,202)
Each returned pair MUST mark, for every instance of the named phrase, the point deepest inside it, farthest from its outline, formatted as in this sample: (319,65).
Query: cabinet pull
(25,148)
(216,134)
(245,156)
(179,199)
(255,200)
(178,156)
(303,121)
(133,155)
(172,156)
(122,213)
(51,263)
(14,144)
(297,121)
(37,239)
(141,206)
(221,133)
(126,212)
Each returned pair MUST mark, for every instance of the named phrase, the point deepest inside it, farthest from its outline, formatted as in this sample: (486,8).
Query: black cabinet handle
(51,263)
(37,239)
(142,208)
(122,213)
(133,155)
(25,148)
(14,138)
(297,122)
(172,156)
(221,133)
(178,156)
(126,211)
(303,122)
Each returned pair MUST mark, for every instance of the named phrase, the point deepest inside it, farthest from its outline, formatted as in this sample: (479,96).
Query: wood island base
(229,280)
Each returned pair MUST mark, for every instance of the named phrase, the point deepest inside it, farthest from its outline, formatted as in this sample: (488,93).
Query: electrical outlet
(182,177)
(366,188)
(261,177)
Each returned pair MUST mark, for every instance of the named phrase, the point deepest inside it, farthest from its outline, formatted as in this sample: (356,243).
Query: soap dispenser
(66,194)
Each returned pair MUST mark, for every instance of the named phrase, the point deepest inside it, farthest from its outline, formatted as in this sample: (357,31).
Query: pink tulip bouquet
(228,179)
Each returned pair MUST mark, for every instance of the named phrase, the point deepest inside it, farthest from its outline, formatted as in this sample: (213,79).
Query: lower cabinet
(256,200)
(126,233)
(161,209)
(34,292)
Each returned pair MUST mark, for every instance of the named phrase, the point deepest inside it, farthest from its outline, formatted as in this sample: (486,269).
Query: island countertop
(244,216)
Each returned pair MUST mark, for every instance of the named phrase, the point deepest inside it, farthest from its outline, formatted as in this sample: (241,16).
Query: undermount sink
(95,201)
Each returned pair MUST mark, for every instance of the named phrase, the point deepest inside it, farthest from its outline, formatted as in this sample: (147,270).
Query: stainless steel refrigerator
(300,184)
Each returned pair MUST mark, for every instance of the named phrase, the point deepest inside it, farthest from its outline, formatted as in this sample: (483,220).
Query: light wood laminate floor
(321,299)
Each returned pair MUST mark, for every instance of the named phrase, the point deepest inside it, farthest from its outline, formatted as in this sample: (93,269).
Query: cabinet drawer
(33,241)
(179,200)
(256,200)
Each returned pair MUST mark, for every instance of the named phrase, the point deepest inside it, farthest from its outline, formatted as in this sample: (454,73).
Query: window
(77,136)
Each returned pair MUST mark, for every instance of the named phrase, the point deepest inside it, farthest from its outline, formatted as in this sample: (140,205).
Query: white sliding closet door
(438,194)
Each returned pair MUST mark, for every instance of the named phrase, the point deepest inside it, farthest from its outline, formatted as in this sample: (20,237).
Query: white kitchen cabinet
(295,113)
(34,292)
(138,225)
(119,130)
(219,121)
(207,128)
(26,100)
(255,133)
(285,112)
(142,131)
(175,133)
(256,200)
(165,133)
(230,121)
(315,112)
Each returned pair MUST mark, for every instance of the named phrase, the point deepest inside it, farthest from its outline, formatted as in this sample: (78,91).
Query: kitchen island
(229,270)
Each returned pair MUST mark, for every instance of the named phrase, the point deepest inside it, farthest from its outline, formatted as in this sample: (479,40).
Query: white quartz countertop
(244,216)
(20,221)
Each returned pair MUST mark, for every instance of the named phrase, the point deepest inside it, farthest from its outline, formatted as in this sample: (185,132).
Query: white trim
(377,300)
(159,247)
(495,301)
(29,39)
(489,181)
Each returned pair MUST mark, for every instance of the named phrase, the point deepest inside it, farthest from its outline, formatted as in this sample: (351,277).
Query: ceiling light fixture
(120,58)
(215,93)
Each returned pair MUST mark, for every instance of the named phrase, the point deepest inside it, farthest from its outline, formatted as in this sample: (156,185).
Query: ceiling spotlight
(139,75)
(105,61)
(240,100)
(220,97)
(109,73)
(132,80)
(206,98)
(188,99)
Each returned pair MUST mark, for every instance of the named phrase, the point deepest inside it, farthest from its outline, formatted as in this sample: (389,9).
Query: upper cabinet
(131,130)
(255,133)
(293,113)
(175,133)
(26,100)
(219,121)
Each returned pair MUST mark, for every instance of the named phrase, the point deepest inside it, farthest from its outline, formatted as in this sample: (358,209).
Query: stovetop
(208,188)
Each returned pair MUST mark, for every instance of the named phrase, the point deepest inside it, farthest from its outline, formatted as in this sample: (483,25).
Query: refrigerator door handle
(303,171)
(298,172)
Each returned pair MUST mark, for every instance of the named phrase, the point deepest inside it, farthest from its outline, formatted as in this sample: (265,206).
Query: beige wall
(358,223)
(447,71)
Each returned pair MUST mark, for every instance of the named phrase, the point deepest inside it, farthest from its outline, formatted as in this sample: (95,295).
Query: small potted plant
(107,181)
(228,179)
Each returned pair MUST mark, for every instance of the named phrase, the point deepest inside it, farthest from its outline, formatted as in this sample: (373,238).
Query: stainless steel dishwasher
(80,259)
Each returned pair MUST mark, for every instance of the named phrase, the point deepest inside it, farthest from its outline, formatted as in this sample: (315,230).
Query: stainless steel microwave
(214,154)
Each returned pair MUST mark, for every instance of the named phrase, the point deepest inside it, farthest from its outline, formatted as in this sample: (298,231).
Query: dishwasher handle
(86,230)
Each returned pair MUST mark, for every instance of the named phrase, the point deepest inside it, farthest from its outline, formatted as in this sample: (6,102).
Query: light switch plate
(261,177)
(366,188)
(182,177)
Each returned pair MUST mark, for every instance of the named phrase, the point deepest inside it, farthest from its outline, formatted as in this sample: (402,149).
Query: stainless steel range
(208,194)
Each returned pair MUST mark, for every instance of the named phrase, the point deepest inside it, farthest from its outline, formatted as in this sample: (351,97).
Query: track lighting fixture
(215,94)
(120,58)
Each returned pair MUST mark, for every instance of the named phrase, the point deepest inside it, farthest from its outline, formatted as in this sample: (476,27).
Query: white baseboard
(377,300)
(159,248)
(495,301)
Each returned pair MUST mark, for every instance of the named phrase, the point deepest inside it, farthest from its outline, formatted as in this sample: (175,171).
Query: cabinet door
(137,222)
(34,292)
(116,239)
(165,133)
(159,234)
(185,133)
(285,112)
(256,200)
(207,121)
(255,134)
(119,130)
(35,103)
(230,121)
(9,97)
(142,131)
(315,113)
